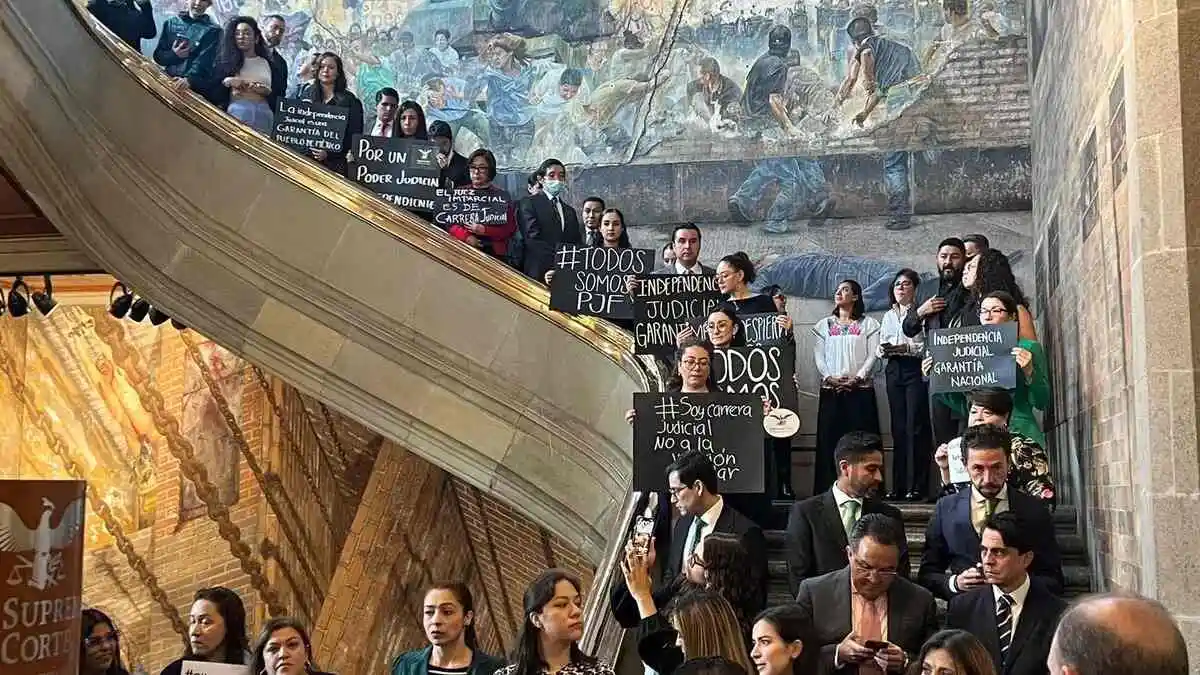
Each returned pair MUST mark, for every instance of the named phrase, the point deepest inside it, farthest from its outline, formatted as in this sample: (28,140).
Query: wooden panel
(19,216)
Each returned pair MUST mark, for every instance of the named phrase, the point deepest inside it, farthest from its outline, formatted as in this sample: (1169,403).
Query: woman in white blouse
(845,353)
(907,393)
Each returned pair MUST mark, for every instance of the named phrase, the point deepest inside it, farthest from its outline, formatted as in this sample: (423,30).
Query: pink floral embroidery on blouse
(836,328)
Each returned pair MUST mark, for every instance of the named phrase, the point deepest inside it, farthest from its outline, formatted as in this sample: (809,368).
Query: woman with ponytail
(448,614)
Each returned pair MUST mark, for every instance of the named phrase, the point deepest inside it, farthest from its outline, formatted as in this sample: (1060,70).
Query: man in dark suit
(546,221)
(818,527)
(685,241)
(950,563)
(1013,615)
(692,484)
(866,617)
(273,28)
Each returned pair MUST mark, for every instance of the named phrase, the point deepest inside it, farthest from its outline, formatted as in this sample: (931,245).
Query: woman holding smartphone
(907,393)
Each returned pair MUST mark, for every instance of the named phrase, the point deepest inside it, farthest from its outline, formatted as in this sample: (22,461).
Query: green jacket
(1028,396)
(204,36)
(416,662)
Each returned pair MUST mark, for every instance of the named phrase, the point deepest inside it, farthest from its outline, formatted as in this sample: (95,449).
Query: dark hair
(1091,647)
(623,240)
(789,621)
(422,132)
(860,309)
(275,17)
(728,571)
(572,77)
(855,446)
(709,65)
(90,618)
(772,290)
(527,656)
(955,242)
(977,239)
(387,91)
(230,59)
(233,613)
(600,201)
(739,329)
(489,157)
(994,273)
(710,665)
(866,10)
(695,466)
(1011,531)
(442,31)
(999,401)
(675,382)
(883,529)
(463,595)
(533,179)
(909,274)
(544,168)
(687,226)
(1010,303)
(741,262)
(339,82)
(258,663)
(406,35)
(956,6)
(966,650)
(986,437)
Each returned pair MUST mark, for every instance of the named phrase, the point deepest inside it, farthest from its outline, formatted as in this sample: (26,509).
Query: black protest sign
(760,329)
(728,428)
(310,126)
(767,372)
(590,280)
(665,304)
(471,206)
(402,170)
(969,358)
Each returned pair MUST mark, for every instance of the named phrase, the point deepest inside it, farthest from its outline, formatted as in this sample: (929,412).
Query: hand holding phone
(875,645)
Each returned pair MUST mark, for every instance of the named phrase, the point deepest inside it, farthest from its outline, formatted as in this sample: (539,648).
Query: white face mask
(554,188)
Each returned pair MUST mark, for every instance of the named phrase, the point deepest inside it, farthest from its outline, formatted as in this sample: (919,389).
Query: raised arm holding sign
(664,304)
(590,280)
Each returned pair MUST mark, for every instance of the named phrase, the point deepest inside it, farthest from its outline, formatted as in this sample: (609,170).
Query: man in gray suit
(871,619)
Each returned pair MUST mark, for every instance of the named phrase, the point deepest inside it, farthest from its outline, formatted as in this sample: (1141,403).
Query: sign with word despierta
(973,357)
(310,126)
(665,303)
(404,171)
(759,329)
(727,428)
(767,372)
(590,280)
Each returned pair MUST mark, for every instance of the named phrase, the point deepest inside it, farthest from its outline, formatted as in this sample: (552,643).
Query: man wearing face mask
(546,220)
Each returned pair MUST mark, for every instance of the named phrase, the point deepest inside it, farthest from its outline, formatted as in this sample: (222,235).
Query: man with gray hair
(1117,634)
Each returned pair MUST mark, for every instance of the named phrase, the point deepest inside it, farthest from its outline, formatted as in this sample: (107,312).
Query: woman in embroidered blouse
(907,393)
(846,345)
(1033,382)
(548,643)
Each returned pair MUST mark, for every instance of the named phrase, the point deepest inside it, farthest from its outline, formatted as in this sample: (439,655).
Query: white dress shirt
(891,331)
(1018,600)
(710,520)
(381,128)
(694,269)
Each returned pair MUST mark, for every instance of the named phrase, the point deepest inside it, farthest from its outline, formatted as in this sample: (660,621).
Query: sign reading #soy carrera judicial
(728,428)
(973,357)
(591,279)
(41,574)
(403,171)
(310,126)
(664,305)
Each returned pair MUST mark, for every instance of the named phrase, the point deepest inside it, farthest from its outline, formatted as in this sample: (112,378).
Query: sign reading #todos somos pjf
(41,575)
(310,126)
(972,358)
(728,428)
(590,280)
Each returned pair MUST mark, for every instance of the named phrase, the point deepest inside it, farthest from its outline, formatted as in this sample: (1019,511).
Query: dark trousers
(839,413)
(912,438)
(946,427)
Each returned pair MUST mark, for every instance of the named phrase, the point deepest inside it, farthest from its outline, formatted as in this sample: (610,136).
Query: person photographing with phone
(187,47)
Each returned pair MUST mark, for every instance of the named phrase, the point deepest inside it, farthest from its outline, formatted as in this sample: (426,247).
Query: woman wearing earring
(778,640)
(548,643)
(283,648)
(448,615)
(216,630)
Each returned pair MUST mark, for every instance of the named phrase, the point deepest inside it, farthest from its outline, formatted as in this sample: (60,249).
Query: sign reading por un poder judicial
(471,206)
(41,572)
(665,304)
(591,279)
(760,329)
(973,357)
(728,428)
(403,171)
(311,126)
(766,372)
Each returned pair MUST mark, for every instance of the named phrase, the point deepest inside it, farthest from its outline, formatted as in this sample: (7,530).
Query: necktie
(1004,624)
(989,507)
(385,129)
(557,209)
(849,516)
(692,543)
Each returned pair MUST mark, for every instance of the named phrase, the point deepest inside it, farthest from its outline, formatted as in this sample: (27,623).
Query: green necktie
(693,542)
(989,507)
(849,515)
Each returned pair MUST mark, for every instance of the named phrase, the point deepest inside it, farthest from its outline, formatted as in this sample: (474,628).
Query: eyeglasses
(721,325)
(868,571)
(97,640)
(480,167)
(692,364)
(676,490)
(995,311)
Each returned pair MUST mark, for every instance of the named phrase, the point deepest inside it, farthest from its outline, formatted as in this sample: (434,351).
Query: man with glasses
(870,618)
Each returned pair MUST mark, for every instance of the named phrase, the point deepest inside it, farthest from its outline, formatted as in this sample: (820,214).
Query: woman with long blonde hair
(703,624)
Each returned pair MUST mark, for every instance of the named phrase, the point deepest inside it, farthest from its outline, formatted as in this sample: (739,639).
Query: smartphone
(877,645)
(643,530)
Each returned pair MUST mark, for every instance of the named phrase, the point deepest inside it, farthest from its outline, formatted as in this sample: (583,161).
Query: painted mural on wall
(616,81)
(205,428)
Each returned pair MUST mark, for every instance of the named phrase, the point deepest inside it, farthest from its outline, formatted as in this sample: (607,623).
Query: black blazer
(816,540)
(825,601)
(952,544)
(975,612)
(543,232)
(221,96)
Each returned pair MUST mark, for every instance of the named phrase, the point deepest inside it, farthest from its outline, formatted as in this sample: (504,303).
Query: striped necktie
(1004,625)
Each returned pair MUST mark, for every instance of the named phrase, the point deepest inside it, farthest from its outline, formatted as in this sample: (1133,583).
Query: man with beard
(274,26)
(947,309)
(819,527)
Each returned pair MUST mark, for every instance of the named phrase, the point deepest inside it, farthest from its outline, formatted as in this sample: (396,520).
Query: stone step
(1078,582)
(1065,517)
(1072,546)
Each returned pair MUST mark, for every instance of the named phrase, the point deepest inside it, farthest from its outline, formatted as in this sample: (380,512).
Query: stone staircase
(916,517)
